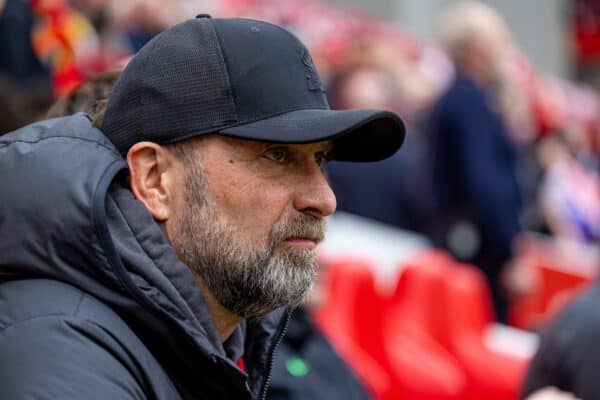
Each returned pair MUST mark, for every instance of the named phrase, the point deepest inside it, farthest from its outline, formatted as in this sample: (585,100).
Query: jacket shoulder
(24,300)
(74,127)
(56,341)
(568,356)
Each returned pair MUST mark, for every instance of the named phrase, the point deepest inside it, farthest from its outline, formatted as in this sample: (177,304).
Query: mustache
(302,226)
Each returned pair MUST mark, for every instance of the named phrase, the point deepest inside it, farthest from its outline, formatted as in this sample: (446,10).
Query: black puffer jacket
(569,355)
(94,303)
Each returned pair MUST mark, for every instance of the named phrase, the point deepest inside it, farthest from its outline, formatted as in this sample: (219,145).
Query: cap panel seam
(142,93)
(225,60)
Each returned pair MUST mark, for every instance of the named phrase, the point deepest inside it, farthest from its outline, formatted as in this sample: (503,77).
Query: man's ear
(152,175)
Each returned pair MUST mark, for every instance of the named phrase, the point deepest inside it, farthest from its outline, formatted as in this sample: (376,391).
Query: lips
(303,231)
(307,238)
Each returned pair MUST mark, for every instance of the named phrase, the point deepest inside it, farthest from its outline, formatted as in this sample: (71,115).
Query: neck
(225,320)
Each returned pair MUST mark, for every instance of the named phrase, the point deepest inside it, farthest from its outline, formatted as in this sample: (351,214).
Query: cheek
(254,207)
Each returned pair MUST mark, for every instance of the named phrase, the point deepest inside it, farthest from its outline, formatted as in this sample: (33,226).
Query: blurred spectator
(135,22)
(569,194)
(585,40)
(475,197)
(25,91)
(374,190)
(87,97)
(569,356)
(20,107)
(18,62)
(380,73)
(67,42)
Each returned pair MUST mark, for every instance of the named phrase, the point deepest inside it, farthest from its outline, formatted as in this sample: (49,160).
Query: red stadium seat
(346,280)
(563,271)
(410,347)
(445,309)
(490,374)
(355,318)
(426,341)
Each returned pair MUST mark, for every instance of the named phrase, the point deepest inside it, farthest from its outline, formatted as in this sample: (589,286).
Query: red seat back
(414,326)
(345,278)
(490,374)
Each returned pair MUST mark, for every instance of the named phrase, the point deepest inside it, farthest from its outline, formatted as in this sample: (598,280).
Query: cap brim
(358,135)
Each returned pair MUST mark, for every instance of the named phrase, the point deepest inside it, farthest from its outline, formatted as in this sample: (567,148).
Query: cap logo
(312,77)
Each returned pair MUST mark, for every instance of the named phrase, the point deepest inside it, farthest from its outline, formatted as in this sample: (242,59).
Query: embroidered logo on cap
(312,77)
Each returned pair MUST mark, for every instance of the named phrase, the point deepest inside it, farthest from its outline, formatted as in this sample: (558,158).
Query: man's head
(226,127)
(245,216)
(476,38)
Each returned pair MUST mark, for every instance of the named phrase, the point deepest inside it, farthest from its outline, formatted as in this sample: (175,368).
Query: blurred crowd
(469,194)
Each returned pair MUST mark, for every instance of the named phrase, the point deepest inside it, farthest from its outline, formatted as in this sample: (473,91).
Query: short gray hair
(465,20)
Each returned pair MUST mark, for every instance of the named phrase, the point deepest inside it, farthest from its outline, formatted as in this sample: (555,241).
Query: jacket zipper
(263,395)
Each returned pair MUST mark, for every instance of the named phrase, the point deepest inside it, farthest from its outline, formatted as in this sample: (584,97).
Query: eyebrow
(327,146)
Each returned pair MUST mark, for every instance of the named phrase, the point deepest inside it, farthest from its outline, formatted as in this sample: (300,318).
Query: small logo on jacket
(297,367)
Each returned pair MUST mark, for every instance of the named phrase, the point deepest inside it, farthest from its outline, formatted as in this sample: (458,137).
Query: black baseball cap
(240,78)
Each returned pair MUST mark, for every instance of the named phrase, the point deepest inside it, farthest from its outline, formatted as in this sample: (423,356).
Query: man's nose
(314,195)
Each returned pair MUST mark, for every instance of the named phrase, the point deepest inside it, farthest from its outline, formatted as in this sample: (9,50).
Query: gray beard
(247,280)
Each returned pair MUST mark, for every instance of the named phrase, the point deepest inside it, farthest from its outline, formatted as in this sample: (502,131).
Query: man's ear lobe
(151,172)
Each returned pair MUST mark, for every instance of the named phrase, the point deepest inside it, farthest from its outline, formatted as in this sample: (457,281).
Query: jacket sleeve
(568,357)
(64,357)
(543,370)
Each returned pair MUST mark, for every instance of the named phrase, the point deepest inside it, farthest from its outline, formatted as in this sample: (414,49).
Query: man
(476,200)
(157,275)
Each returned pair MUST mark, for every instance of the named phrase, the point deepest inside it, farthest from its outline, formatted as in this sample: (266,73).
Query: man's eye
(277,155)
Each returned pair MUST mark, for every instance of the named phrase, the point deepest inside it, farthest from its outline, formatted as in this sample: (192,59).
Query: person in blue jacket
(474,196)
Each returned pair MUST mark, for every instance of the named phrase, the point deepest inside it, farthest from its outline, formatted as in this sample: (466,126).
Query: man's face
(249,220)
